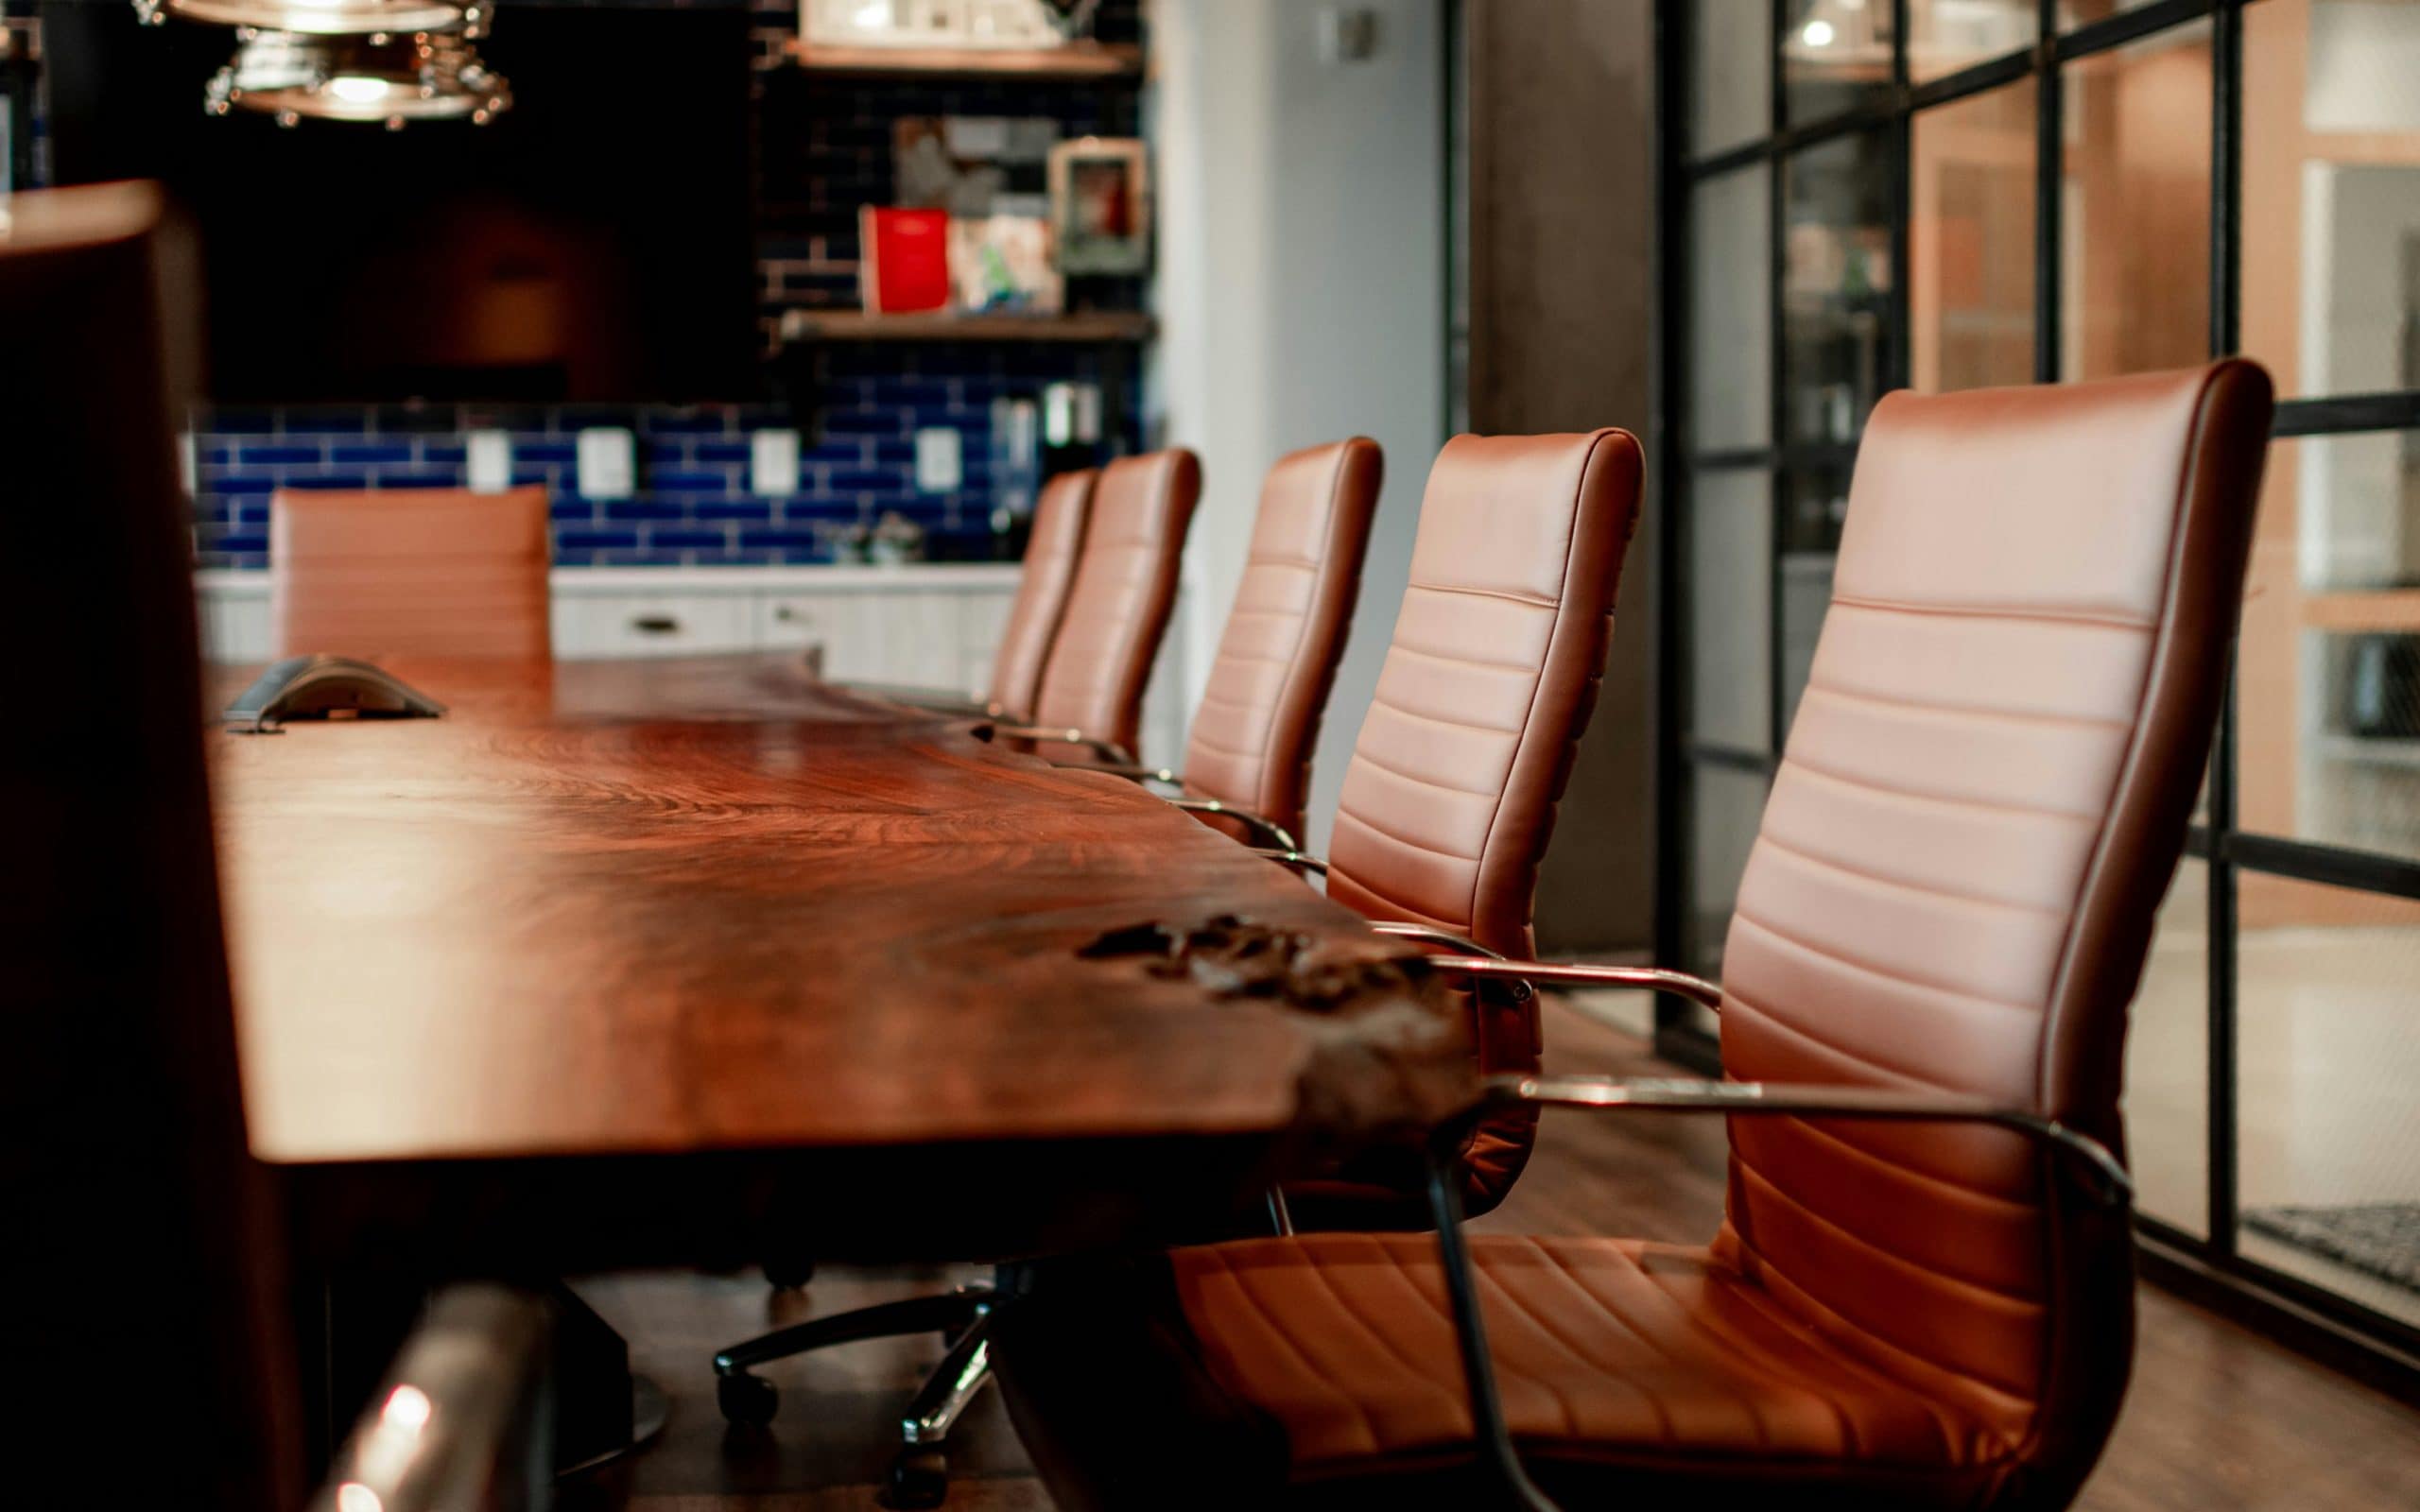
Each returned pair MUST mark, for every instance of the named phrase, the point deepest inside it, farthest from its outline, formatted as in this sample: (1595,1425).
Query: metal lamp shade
(393,79)
(327,18)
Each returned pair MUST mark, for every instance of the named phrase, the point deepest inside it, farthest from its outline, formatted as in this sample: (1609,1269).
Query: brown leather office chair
(1922,1294)
(1248,761)
(1451,799)
(1091,692)
(1060,516)
(1048,571)
(419,571)
(150,1353)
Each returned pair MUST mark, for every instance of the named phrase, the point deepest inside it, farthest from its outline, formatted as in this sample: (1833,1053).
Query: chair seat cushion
(1321,1370)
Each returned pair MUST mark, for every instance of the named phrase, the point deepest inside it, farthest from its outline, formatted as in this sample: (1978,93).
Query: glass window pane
(1835,322)
(2328,1075)
(1731,545)
(2331,196)
(1945,36)
(1970,241)
(2167,1059)
(1806,594)
(1726,806)
(1731,53)
(1731,312)
(2328,664)
(1818,499)
(1835,56)
(2136,207)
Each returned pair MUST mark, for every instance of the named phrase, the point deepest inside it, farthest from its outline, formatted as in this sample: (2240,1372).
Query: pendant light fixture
(390,61)
(391,78)
(325,18)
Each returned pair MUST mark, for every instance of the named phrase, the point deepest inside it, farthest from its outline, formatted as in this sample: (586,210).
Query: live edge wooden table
(695,960)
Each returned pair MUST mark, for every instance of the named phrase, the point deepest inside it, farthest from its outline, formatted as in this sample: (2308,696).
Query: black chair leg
(920,1475)
(751,1400)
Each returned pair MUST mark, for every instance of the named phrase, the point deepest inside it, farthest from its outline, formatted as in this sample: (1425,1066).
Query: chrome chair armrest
(2107,1179)
(1487,965)
(1108,750)
(1430,934)
(1287,856)
(1261,831)
(459,1425)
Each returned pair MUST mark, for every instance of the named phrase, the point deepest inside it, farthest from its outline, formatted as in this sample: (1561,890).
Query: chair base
(920,1473)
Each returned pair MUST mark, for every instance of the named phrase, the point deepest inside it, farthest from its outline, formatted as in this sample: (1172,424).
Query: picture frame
(1100,205)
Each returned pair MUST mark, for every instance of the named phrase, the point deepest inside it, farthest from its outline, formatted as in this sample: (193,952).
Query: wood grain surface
(707,904)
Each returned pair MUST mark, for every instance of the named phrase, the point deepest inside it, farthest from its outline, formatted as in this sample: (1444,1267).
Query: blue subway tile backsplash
(372,455)
(694,470)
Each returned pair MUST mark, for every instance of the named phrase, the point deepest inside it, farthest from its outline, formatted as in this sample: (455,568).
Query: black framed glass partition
(1863,195)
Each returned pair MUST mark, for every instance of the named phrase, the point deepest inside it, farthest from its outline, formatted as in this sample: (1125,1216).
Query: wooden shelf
(851,325)
(1088,61)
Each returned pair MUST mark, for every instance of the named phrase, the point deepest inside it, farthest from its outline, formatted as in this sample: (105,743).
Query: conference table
(695,960)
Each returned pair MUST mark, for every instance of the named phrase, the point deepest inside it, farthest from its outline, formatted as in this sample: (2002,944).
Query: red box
(904,260)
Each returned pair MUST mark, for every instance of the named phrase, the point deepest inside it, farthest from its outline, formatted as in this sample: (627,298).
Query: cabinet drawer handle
(790,617)
(656,624)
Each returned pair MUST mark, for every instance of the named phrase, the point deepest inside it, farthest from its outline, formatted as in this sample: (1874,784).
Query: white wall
(1301,288)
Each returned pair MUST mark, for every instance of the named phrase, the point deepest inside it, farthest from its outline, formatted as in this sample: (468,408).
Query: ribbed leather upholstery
(1981,802)
(1487,682)
(1979,805)
(1119,606)
(1259,714)
(422,572)
(1710,1363)
(1049,568)
(1487,686)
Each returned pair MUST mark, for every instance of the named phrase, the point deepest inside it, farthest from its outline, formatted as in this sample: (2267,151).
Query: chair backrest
(1119,606)
(1259,714)
(1981,801)
(1050,569)
(140,1242)
(1450,797)
(419,571)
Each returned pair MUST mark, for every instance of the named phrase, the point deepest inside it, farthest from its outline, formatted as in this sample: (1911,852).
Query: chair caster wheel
(787,1274)
(919,1478)
(746,1401)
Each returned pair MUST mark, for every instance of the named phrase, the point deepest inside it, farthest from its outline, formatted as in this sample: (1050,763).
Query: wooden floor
(2218,1420)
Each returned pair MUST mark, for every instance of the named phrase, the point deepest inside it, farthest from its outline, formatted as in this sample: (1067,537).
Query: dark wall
(1561,127)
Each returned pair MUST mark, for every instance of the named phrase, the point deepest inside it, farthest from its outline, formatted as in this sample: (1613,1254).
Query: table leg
(601,1409)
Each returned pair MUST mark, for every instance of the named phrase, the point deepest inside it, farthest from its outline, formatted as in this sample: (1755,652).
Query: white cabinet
(235,619)
(635,624)
(915,636)
(924,626)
